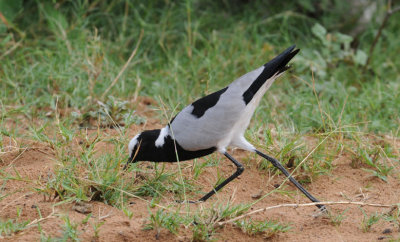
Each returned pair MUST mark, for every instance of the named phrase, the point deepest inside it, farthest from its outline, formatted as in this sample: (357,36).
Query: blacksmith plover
(215,122)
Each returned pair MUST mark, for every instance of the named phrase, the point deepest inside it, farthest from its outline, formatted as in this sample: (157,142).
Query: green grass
(60,59)
(73,57)
(337,218)
(10,226)
(369,220)
(267,228)
(161,219)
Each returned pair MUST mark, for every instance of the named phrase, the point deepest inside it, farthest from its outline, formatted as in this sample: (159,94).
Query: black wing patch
(276,65)
(203,104)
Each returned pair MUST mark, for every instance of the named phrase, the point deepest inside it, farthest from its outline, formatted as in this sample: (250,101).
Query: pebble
(81,207)
(387,231)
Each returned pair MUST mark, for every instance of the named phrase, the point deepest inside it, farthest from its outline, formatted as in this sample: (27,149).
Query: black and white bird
(215,122)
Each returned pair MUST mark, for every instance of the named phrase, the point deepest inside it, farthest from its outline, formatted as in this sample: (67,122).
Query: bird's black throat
(170,151)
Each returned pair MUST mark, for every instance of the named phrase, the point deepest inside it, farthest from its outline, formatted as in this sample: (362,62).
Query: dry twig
(307,205)
(36,221)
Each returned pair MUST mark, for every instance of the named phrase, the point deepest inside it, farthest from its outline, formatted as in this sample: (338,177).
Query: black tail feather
(279,63)
(276,65)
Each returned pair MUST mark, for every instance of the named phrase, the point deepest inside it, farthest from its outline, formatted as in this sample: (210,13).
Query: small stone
(258,195)
(81,207)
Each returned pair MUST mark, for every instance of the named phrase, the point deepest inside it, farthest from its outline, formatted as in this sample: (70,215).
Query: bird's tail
(271,70)
(279,63)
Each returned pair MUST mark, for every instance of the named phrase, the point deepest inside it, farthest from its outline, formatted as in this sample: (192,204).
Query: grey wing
(220,119)
(214,127)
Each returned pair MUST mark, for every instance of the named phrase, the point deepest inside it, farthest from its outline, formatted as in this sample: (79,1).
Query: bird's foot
(322,211)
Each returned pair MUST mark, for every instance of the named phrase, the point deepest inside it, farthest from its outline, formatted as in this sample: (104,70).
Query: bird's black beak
(130,160)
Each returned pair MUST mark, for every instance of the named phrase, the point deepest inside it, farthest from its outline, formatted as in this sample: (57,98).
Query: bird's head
(142,147)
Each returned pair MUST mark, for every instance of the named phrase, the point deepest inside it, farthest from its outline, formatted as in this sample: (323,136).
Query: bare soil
(344,183)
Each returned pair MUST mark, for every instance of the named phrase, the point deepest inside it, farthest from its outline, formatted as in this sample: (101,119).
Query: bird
(215,122)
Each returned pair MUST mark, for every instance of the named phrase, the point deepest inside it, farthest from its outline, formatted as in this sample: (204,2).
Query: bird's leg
(239,171)
(278,165)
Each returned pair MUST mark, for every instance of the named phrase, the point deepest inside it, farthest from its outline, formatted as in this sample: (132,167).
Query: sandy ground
(344,183)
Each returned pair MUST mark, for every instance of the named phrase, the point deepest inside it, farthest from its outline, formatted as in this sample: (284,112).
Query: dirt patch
(26,165)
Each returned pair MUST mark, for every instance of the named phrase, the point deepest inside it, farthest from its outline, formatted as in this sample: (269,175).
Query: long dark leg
(239,171)
(284,171)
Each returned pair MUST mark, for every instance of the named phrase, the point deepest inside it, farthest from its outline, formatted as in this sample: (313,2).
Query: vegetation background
(67,67)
